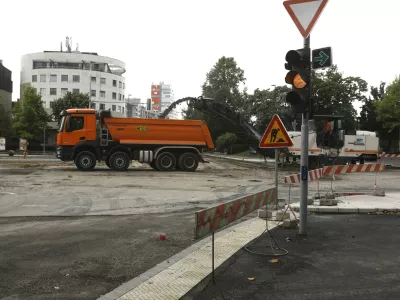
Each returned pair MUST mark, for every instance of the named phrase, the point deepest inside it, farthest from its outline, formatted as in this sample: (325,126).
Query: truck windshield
(61,124)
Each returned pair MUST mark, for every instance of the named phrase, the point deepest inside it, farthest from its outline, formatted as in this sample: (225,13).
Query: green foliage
(69,100)
(264,104)
(30,117)
(368,115)
(5,120)
(224,81)
(335,94)
(388,109)
(226,140)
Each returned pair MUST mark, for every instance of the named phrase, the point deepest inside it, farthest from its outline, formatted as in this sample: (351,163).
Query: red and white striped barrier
(312,175)
(346,169)
(390,155)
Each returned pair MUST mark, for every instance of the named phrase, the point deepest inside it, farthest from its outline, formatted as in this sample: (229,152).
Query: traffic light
(298,64)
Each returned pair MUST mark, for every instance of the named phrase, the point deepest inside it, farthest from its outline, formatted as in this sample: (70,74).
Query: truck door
(75,131)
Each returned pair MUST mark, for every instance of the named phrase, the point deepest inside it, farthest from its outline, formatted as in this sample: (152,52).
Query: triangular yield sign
(305,13)
(276,135)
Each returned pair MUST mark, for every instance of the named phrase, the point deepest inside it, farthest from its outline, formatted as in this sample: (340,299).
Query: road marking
(176,280)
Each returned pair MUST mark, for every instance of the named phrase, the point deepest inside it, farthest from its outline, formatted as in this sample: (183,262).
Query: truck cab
(77,128)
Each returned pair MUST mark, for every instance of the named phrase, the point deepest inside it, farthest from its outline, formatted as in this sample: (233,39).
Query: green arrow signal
(322,58)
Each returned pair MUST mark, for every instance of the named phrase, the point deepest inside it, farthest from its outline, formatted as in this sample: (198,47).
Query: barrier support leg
(212,257)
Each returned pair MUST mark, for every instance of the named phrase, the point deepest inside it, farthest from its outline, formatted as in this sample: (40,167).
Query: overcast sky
(178,41)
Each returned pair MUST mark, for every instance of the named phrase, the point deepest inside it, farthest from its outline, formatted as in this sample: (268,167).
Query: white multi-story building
(162,96)
(54,73)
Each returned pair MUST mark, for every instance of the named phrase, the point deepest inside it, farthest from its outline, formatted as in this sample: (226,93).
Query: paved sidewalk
(343,257)
(357,204)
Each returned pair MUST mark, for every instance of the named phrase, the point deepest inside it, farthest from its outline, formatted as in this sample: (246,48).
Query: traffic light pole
(304,159)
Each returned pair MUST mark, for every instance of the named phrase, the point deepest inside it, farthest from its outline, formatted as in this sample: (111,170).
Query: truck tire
(188,162)
(153,165)
(165,161)
(119,161)
(85,161)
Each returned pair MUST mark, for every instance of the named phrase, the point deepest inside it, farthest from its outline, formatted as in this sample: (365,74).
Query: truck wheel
(85,161)
(188,162)
(165,161)
(119,161)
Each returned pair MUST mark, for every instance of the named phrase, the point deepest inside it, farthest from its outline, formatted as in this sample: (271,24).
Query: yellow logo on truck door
(142,128)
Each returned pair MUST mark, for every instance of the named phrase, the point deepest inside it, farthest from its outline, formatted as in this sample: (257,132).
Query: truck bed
(159,132)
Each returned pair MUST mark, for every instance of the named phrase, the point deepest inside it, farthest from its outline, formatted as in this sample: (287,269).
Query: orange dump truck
(86,137)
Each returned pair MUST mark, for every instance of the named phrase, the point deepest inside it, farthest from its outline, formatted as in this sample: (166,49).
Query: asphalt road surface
(68,234)
(343,257)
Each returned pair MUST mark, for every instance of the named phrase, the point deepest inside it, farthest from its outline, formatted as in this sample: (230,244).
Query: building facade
(134,109)
(54,73)
(162,96)
(6,87)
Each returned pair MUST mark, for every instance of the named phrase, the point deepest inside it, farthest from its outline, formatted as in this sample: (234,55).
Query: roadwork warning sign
(276,135)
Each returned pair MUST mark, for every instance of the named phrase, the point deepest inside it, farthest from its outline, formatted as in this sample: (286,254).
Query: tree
(224,81)
(388,112)
(368,115)
(264,104)
(225,141)
(223,84)
(30,117)
(69,100)
(335,94)
(388,109)
(5,120)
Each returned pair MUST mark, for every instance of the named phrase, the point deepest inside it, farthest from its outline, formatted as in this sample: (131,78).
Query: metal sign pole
(276,175)
(304,160)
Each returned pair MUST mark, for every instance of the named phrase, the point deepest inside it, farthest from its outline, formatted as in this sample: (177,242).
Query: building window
(119,108)
(34,78)
(64,78)
(114,96)
(119,96)
(76,78)
(75,91)
(42,78)
(53,78)
(114,107)
(51,104)
(53,92)
(93,93)
(102,94)
(93,79)
(93,105)
(123,97)
(43,91)
(123,110)
(102,106)
(120,84)
(123,85)
(35,90)
(115,83)
(102,81)
(64,92)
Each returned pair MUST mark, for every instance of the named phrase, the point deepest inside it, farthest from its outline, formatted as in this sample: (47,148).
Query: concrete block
(280,215)
(313,209)
(264,213)
(379,193)
(289,223)
(325,202)
(330,196)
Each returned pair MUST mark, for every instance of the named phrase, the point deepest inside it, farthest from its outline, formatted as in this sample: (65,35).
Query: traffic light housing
(299,65)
